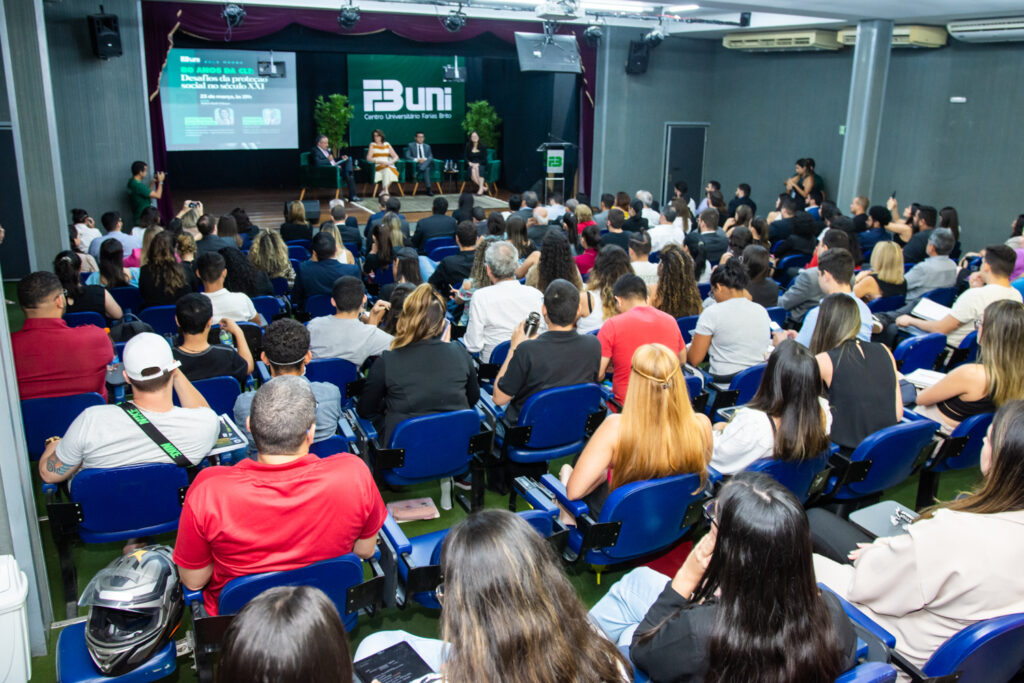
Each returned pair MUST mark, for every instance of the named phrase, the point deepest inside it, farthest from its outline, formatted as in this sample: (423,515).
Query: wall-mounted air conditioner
(782,40)
(988,30)
(903,36)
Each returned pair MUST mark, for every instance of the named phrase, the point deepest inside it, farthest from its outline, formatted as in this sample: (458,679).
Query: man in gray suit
(805,292)
(419,153)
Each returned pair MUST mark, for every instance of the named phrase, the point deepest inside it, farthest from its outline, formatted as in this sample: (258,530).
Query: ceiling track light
(348,16)
(655,36)
(455,21)
(593,35)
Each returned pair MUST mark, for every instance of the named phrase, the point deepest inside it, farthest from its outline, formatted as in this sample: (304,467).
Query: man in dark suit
(438,225)
(321,155)
(419,153)
(454,269)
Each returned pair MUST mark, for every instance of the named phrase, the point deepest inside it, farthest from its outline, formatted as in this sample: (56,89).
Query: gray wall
(102,106)
(768,109)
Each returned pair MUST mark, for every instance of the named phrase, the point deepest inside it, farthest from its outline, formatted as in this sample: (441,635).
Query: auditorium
(511,341)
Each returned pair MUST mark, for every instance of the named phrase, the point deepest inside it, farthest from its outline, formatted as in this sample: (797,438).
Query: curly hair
(242,275)
(269,253)
(478,274)
(612,262)
(556,261)
(677,293)
(168,274)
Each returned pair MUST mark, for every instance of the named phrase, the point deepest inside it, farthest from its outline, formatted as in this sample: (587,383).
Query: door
(684,158)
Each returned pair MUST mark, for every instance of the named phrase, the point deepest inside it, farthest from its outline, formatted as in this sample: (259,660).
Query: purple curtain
(161,20)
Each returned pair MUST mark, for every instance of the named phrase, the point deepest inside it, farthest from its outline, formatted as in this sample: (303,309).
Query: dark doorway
(684,157)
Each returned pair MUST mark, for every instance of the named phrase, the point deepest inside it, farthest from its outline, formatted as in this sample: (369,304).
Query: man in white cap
(148,429)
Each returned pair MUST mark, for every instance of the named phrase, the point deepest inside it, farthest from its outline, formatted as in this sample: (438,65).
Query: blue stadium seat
(921,351)
(434,242)
(280,286)
(161,319)
(960,450)
(297,252)
(267,306)
(740,391)
(85,318)
(46,417)
(777,314)
(296,264)
(787,263)
(804,478)
(341,373)
(966,352)
(319,305)
(112,505)
(704,288)
(354,248)
(383,276)
(219,392)
(687,325)
(438,253)
(945,296)
(887,303)
(305,244)
(329,446)
(486,372)
(128,298)
(74,665)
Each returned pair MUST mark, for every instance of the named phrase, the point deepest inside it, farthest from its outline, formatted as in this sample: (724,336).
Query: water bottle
(226,338)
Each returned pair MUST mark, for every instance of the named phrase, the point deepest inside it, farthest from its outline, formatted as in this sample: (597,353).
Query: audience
(437,225)
(210,241)
(235,306)
(83,298)
(584,218)
(162,280)
(709,236)
(611,264)
(554,261)
(243,276)
(835,273)
(455,268)
(875,229)
(607,201)
(89,264)
(405,269)
(616,234)
(112,271)
(113,226)
(781,228)
(938,271)
(318,275)
(676,293)
(762,289)
(286,509)
(296,226)
(914,250)
(804,292)
(516,229)
(85,227)
(590,241)
(787,419)
(666,231)
(885,277)
(342,254)
(389,323)
(269,254)
(196,357)
(383,245)
(346,334)
(495,310)
(802,237)
(347,227)
(286,353)
(108,436)
(735,333)
(464,212)
(227,231)
(639,253)
(635,221)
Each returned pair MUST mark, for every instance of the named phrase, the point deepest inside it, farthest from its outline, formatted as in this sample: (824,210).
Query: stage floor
(266,207)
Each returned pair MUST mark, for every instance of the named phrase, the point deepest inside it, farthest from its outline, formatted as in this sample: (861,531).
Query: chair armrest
(714,476)
(192,596)
(490,407)
(538,497)
(263,371)
(862,620)
(347,432)
(363,427)
(609,397)
(392,531)
(576,507)
(49,490)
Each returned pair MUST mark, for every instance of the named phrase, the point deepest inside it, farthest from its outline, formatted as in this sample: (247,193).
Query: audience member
(553,261)
(742,198)
(342,255)
(666,231)
(281,511)
(209,240)
(804,292)
(455,268)
(495,225)
(611,264)
(269,253)
(382,245)
(677,293)
(639,258)
(530,202)
(89,264)
(712,186)
(83,298)
(762,289)
(405,269)
(243,276)
(244,227)
(286,353)
(111,271)
(914,251)
(437,225)
(859,213)
(537,225)
(709,235)
(875,222)
(515,202)
(516,229)
(162,280)
(1016,239)
(389,323)
(555,207)
(464,212)
(113,225)
(938,271)
(835,272)
(590,240)
(885,278)
(296,225)
(780,228)
(227,230)
(802,237)
(680,192)
(318,275)
(85,227)
(607,201)
(347,226)
(346,334)
(584,218)
(195,356)
(716,201)
(236,306)
(495,310)
(149,218)
(843,224)
(735,333)
(635,221)
(108,436)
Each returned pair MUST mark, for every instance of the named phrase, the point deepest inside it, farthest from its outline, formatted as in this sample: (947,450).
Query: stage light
(233,14)
(654,36)
(348,16)
(455,20)
(682,8)
(593,35)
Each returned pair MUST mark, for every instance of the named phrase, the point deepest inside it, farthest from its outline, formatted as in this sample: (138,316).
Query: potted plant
(481,117)
(332,117)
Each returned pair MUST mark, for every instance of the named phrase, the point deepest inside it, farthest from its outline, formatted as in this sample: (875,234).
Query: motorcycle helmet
(135,606)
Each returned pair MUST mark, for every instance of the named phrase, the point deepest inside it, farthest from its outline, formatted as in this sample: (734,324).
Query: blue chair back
(434,242)
(1018,284)
(892,452)
(973,429)
(919,352)
(970,342)
(777,314)
(334,577)
(786,264)
(333,371)
(887,303)
(298,253)
(267,306)
(654,257)
(319,305)
(384,276)
(687,325)
(354,248)
(694,386)
(990,651)
(85,318)
(653,516)
(128,298)
(746,383)
(869,672)
(557,419)
(280,286)
(128,502)
(305,244)
(219,392)
(161,319)
(46,417)
(296,264)
(945,295)
(438,253)
(499,353)
(795,475)
(435,446)
(329,446)
(705,290)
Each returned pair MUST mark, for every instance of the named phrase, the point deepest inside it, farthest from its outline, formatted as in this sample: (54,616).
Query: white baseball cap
(148,356)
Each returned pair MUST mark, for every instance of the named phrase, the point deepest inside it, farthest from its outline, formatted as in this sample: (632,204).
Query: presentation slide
(404,94)
(229,99)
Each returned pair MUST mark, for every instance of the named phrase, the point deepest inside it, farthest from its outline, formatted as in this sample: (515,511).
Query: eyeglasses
(439,591)
(711,511)
(978,323)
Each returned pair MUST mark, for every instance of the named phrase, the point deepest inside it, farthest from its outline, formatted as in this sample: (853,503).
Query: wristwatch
(52,439)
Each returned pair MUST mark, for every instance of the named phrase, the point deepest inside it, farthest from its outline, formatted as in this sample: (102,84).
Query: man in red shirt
(50,358)
(285,510)
(635,325)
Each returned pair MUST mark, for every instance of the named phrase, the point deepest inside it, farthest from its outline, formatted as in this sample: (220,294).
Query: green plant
(481,117)
(332,117)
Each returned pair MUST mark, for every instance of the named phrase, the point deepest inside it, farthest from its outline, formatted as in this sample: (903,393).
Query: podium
(554,154)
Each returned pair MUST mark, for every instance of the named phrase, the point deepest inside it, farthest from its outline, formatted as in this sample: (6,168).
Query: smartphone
(728,413)
(774,326)
(892,194)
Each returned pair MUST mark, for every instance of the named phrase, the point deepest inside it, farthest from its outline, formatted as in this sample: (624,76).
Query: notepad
(396,664)
(926,309)
(230,437)
(922,379)
(413,509)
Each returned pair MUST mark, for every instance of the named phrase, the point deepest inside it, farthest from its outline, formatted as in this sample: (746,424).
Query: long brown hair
(659,433)
(269,253)
(1003,487)
(838,322)
(612,262)
(296,213)
(422,317)
(168,275)
(510,613)
(678,294)
(1002,353)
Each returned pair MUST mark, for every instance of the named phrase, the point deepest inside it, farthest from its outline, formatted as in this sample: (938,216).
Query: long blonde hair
(1002,353)
(422,317)
(659,434)
(887,262)
(269,253)
(296,212)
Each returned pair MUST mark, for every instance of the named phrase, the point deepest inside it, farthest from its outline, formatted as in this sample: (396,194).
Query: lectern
(554,154)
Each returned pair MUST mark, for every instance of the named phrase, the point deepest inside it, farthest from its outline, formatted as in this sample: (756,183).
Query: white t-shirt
(749,437)
(86,235)
(651,215)
(665,234)
(647,271)
(346,338)
(740,331)
(495,311)
(231,305)
(969,307)
(105,437)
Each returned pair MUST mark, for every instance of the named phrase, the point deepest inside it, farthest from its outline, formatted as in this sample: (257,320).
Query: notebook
(230,437)
(926,309)
(887,518)
(396,664)
(413,509)
(922,379)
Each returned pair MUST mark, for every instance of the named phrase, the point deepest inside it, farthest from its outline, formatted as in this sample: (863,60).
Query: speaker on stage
(312,208)
(639,54)
(105,35)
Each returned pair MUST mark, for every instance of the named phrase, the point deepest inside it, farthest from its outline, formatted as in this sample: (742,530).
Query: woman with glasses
(743,607)
(508,612)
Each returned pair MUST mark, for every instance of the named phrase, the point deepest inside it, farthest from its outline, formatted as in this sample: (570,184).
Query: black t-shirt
(916,247)
(92,299)
(296,231)
(554,359)
(715,244)
(619,239)
(764,292)
(860,222)
(155,295)
(216,361)
(452,271)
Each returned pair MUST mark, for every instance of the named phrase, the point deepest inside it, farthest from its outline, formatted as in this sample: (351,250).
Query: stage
(266,207)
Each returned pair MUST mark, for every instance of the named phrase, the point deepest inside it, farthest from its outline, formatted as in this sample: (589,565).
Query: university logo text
(386,95)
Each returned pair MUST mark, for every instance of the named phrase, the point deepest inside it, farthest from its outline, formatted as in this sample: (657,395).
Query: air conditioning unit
(903,36)
(782,40)
(988,30)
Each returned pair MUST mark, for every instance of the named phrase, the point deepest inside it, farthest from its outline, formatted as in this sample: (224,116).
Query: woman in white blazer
(959,563)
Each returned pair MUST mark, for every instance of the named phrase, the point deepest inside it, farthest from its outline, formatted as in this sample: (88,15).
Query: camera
(193,205)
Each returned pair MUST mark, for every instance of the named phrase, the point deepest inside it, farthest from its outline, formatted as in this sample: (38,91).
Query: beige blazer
(947,573)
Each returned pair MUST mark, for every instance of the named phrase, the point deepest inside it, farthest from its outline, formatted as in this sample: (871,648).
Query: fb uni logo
(387,95)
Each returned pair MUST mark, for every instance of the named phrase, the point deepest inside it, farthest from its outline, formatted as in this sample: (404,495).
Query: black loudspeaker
(312,207)
(639,54)
(745,19)
(105,35)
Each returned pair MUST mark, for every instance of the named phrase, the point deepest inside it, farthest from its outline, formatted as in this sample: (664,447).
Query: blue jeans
(626,604)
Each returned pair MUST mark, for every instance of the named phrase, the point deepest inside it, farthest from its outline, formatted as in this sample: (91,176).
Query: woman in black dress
(162,281)
(476,157)
(81,298)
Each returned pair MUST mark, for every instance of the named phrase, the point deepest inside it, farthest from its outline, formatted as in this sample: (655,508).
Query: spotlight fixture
(593,35)
(348,16)
(233,15)
(654,37)
(455,20)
